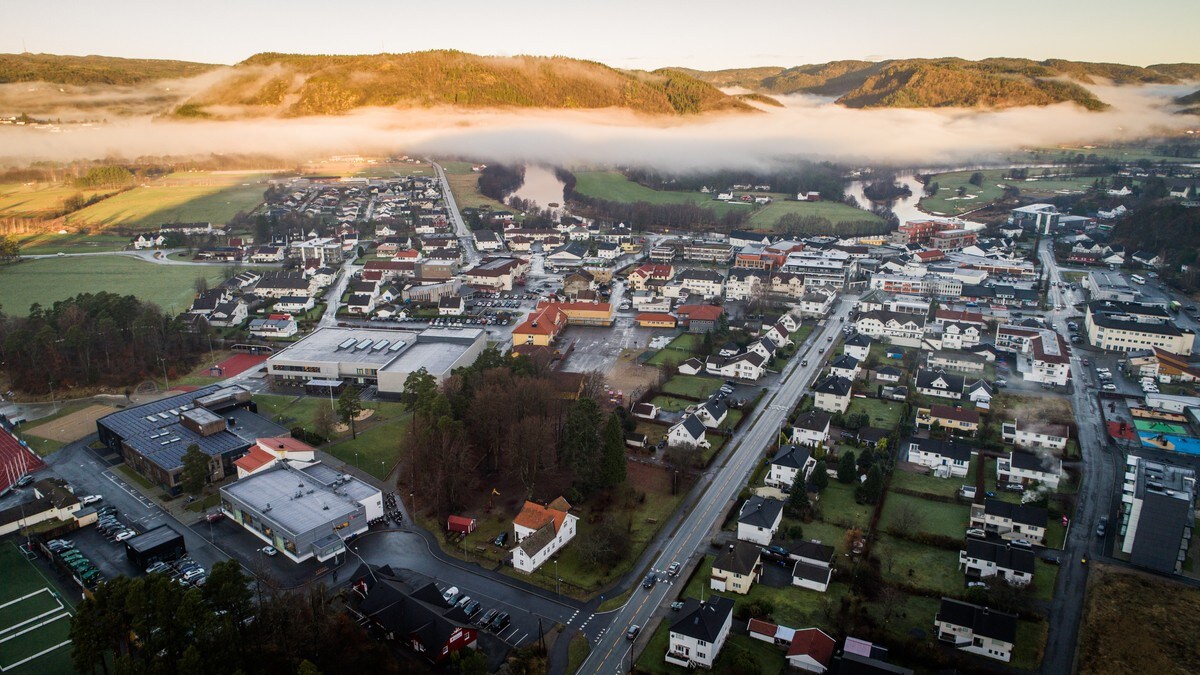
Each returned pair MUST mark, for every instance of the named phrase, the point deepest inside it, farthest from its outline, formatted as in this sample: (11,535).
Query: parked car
(976,584)
(88,500)
(270,551)
(676,606)
(472,608)
(463,601)
(1022,543)
(976,532)
(450,593)
(215,517)
(500,622)
(500,539)
(127,534)
(487,617)
(1109,387)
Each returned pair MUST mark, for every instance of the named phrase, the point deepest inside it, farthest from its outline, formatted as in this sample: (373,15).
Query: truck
(1174,306)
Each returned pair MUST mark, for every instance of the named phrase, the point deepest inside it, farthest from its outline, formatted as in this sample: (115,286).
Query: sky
(642,34)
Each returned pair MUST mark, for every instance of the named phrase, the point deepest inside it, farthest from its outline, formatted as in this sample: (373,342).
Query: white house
(811,650)
(832,394)
(940,383)
(274,326)
(712,413)
(700,631)
(645,411)
(811,429)
(946,458)
(450,306)
(147,240)
(779,334)
(743,283)
(905,330)
(858,346)
(814,565)
(1028,468)
(816,301)
(230,313)
(1010,521)
(983,559)
(540,532)
(267,452)
(294,304)
(759,519)
(745,366)
(1035,434)
(692,366)
(845,366)
(688,433)
(788,464)
(976,629)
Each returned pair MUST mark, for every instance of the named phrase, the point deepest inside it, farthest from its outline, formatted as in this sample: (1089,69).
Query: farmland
(464,183)
(213,198)
(48,280)
(947,201)
(37,200)
(614,186)
(766,217)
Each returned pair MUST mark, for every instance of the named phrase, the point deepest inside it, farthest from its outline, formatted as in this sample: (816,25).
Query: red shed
(461,524)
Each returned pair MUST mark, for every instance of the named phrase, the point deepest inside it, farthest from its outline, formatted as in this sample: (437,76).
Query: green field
(947,201)
(150,207)
(767,216)
(926,567)
(948,520)
(48,280)
(37,200)
(883,414)
(73,242)
(838,506)
(696,386)
(614,186)
(464,184)
(22,578)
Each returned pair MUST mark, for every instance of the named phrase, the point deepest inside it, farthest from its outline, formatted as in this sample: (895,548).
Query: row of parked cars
(185,571)
(65,551)
(111,526)
(493,619)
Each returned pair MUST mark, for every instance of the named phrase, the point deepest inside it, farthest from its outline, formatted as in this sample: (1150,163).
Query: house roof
(1003,555)
(1020,513)
(811,572)
(656,316)
(700,312)
(693,426)
(888,370)
(644,409)
(955,413)
(422,613)
(927,378)
(814,643)
(693,363)
(791,456)
(844,362)
(703,620)
(539,540)
(813,420)
(813,550)
(715,408)
(740,558)
(760,511)
(254,460)
(981,620)
(1030,461)
(858,340)
(534,515)
(949,449)
(834,384)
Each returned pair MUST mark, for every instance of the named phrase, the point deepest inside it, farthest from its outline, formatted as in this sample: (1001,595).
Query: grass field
(766,217)
(74,242)
(696,386)
(883,414)
(377,449)
(48,280)
(670,403)
(1134,623)
(947,487)
(927,516)
(38,200)
(464,184)
(947,201)
(198,197)
(35,618)
(613,186)
(838,506)
(905,562)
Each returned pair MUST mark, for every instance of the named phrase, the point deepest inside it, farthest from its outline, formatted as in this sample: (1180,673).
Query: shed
(461,524)
(160,543)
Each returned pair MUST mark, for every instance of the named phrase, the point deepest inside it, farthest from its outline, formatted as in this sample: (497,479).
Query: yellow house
(655,320)
(951,418)
(584,313)
(736,568)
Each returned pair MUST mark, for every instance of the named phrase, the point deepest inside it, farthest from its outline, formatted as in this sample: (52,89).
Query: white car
(1109,387)
(88,500)
(270,550)
(449,593)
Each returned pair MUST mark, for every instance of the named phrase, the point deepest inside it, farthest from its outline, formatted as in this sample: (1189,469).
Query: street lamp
(556,578)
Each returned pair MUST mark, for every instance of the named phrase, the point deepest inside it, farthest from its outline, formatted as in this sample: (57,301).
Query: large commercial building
(304,513)
(1159,514)
(1109,286)
(153,438)
(821,268)
(1128,326)
(366,356)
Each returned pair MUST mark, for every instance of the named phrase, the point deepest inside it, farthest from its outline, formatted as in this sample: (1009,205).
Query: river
(905,208)
(541,186)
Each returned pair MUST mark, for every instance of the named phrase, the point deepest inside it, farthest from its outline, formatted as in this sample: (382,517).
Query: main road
(611,653)
(464,234)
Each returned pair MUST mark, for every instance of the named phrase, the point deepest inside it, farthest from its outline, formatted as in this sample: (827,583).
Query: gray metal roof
(295,500)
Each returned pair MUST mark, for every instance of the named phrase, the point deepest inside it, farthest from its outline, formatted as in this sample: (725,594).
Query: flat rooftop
(298,501)
(347,345)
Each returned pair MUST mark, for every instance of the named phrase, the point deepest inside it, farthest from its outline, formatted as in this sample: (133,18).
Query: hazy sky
(625,33)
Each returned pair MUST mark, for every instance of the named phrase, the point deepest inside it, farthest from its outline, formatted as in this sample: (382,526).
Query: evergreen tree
(349,406)
(612,469)
(581,443)
(871,489)
(847,471)
(820,476)
(798,504)
(195,470)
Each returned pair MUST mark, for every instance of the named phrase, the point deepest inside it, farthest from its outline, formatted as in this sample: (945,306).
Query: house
(451,305)
(744,283)
(749,365)
(858,346)
(645,411)
(983,559)
(697,636)
(811,650)
(1128,326)
(423,620)
(1010,521)
(736,568)
(487,240)
(692,366)
(901,329)
(946,458)
(655,320)
(267,452)
(940,383)
(764,347)
(147,240)
(1158,516)
(758,520)
(712,413)
(976,629)
(688,433)
(1035,434)
(789,463)
(231,313)
(294,304)
(641,277)
(963,362)
(888,374)
(954,419)
(832,394)
(699,318)
(816,302)
(979,393)
(577,282)
(703,282)
(845,366)
(814,565)
(361,303)
(540,532)
(541,327)
(1028,468)
(811,429)
(274,326)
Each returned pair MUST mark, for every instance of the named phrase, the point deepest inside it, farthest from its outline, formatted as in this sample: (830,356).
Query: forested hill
(931,83)
(297,85)
(85,70)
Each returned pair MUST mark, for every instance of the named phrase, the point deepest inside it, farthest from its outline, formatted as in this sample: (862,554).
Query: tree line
(498,181)
(502,419)
(94,339)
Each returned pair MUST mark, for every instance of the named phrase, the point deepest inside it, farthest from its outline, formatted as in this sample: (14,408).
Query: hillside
(920,83)
(85,70)
(299,85)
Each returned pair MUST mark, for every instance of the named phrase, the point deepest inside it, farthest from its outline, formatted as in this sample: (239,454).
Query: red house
(461,524)
(421,619)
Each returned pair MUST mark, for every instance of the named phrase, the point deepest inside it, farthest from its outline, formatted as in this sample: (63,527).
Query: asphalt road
(612,653)
(464,234)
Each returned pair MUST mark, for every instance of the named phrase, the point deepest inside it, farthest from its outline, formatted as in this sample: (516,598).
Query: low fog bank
(808,127)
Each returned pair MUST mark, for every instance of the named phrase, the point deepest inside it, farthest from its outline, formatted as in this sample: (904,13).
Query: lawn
(918,565)
(688,342)
(883,414)
(767,217)
(695,386)
(737,648)
(669,358)
(49,280)
(1045,576)
(377,449)
(926,515)
(201,197)
(1031,642)
(670,403)
(946,487)
(24,636)
(794,606)
(614,186)
(577,651)
(839,508)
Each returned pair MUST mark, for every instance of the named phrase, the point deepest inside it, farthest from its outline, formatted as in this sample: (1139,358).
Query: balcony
(678,659)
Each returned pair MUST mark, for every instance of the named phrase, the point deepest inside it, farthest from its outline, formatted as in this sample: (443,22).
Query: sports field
(1159,427)
(35,620)
(48,280)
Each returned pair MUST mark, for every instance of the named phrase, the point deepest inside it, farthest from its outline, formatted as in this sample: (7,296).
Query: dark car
(500,622)
(472,608)
(488,617)
(633,632)
(649,581)
(500,539)
(1102,526)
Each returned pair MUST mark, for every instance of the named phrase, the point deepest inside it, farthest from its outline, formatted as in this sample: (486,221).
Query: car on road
(1086,362)
(1102,526)
(1052,559)
(673,570)
(88,500)
(649,581)
(804,362)
(633,632)
(270,551)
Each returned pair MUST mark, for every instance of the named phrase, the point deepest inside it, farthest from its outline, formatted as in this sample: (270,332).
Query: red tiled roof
(254,460)
(534,515)
(951,413)
(762,627)
(656,316)
(284,443)
(549,320)
(812,642)
(700,312)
